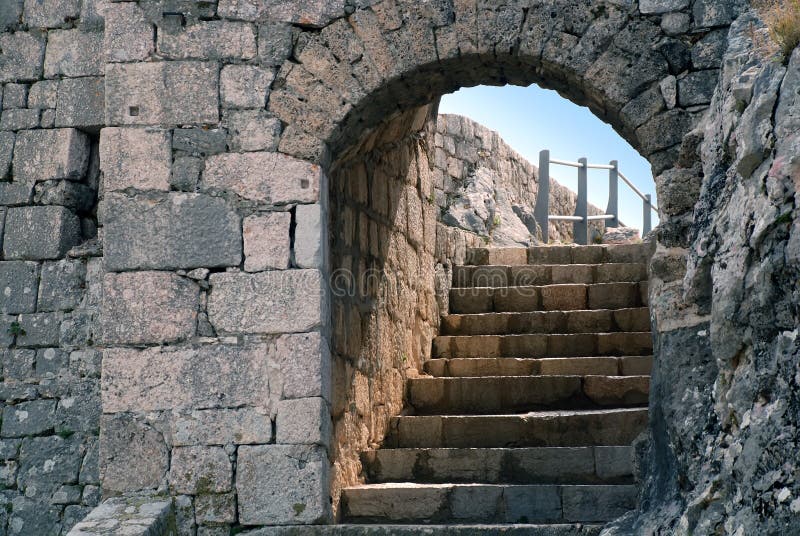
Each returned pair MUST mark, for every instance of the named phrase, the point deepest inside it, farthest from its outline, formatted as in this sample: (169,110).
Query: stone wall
(485,187)
(51,97)
(385,246)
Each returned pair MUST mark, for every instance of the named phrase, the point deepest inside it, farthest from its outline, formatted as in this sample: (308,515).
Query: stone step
(598,254)
(546,274)
(514,394)
(543,345)
(548,298)
(543,465)
(587,321)
(512,366)
(573,428)
(407,502)
(461,529)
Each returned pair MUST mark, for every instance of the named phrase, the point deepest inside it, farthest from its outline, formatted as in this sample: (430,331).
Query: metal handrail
(582,218)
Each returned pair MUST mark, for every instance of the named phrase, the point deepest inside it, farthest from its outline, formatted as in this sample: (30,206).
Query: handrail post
(581,228)
(613,195)
(541,212)
(647,226)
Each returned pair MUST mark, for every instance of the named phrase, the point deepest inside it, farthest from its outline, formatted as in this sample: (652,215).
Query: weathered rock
(180,231)
(162,93)
(241,426)
(214,509)
(302,366)
(245,86)
(128,35)
(50,13)
(137,515)
(303,421)
(148,307)
(200,470)
(81,103)
(253,130)
(267,241)
(29,418)
(310,236)
(214,40)
(264,177)
(621,235)
(23,57)
(73,53)
(287,301)
(18,285)
(133,454)
(216,376)
(37,233)
(135,158)
(62,285)
(41,155)
(282,485)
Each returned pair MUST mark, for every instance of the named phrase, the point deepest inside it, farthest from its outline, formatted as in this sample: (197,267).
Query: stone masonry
(182,184)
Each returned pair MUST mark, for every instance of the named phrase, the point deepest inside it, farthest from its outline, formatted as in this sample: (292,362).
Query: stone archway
(222,131)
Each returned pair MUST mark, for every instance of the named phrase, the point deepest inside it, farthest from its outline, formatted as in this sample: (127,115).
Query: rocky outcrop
(721,456)
(483,186)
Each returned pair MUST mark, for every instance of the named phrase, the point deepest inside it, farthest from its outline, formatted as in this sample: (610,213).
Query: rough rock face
(483,186)
(721,454)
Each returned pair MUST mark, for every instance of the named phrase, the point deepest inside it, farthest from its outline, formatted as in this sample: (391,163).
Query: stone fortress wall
(219,140)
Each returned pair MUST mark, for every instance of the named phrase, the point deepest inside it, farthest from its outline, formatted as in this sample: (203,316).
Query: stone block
(15,96)
(148,307)
(19,365)
(7,140)
(23,57)
(282,485)
(303,421)
(62,285)
(72,195)
(128,35)
(287,301)
(253,130)
(240,426)
(310,236)
(657,7)
(199,141)
(43,94)
(200,470)
(266,241)
(10,14)
(81,103)
(212,509)
(50,13)
(245,86)
(18,286)
(697,88)
(186,172)
(135,158)
(212,40)
(51,363)
(29,418)
(45,463)
(219,376)
(315,13)
(38,233)
(162,93)
(19,119)
(302,366)
(274,42)
(179,231)
(137,515)
(29,516)
(133,454)
(40,329)
(73,53)
(41,155)
(264,177)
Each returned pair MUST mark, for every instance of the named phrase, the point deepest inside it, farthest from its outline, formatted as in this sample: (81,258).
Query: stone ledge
(132,516)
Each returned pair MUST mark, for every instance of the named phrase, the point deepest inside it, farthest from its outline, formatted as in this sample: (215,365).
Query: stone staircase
(538,385)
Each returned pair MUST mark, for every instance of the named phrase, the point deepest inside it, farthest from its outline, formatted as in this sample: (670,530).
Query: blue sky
(531,119)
